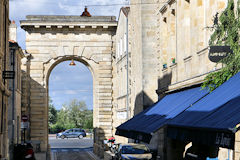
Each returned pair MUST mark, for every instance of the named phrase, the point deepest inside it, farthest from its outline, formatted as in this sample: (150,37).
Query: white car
(133,151)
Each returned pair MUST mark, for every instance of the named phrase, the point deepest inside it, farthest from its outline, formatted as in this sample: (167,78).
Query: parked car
(133,151)
(24,152)
(72,133)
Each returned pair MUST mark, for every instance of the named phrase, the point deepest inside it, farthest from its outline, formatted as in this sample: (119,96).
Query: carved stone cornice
(70,22)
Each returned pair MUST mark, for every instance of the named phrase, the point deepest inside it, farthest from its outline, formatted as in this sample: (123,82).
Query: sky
(66,82)
(70,82)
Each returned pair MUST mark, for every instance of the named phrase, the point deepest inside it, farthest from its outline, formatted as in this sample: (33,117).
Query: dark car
(72,133)
(133,151)
(24,152)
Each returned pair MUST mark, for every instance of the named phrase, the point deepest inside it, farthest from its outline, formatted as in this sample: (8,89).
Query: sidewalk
(93,155)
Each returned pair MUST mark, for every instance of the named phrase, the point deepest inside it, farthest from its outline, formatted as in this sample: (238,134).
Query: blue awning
(218,112)
(150,120)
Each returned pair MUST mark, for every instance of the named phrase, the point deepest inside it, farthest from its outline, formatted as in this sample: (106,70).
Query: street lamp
(72,63)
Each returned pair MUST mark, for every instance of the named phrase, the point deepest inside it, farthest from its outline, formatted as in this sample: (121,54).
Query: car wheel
(62,136)
(80,136)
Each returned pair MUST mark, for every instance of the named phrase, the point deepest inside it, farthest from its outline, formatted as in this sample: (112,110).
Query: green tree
(88,120)
(52,113)
(73,115)
(226,33)
(77,111)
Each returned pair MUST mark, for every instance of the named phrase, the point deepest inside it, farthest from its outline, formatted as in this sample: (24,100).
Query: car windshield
(135,149)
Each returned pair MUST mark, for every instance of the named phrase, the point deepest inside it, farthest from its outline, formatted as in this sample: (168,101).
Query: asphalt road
(71,149)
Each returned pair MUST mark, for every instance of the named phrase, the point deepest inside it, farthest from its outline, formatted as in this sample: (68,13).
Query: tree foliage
(226,33)
(74,114)
(52,113)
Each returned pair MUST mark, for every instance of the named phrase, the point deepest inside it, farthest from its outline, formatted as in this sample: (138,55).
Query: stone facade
(168,44)
(183,37)
(143,64)
(137,71)
(14,101)
(51,40)
(4,92)
(121,108)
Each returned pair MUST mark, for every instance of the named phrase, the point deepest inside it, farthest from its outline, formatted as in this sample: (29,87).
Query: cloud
(55,78)
(21,37)
(71,9)
(53,94)
(71,92)
(97,7)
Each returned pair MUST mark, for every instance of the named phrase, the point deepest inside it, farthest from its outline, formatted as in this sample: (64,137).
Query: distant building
(4,92)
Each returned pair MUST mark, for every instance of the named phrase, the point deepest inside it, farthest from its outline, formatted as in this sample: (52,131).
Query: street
(71,149)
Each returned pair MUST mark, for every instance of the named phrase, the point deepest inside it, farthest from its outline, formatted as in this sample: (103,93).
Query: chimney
(13,31)
(86,13)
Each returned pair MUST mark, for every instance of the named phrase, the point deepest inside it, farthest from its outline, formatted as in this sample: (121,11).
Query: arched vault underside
(53,39)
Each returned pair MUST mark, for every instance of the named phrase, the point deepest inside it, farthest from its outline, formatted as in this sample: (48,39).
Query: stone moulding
(69,22)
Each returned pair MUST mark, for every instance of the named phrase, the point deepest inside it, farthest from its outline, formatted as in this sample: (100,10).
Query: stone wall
(4,93)
(184,29)
(121,109)
(144,61)
(184,34)
(14,101)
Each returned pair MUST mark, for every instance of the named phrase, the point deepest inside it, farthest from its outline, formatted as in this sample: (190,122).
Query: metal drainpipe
(127,103)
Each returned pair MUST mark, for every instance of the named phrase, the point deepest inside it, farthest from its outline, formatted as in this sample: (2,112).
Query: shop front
(207,121)
(211,122)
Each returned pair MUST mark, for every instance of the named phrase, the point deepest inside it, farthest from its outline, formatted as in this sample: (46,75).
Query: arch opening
(70,95)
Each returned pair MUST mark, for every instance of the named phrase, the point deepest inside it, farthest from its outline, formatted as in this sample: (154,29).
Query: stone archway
(53,39)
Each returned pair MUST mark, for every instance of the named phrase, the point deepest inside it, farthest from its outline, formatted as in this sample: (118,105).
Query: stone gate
(51,40)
